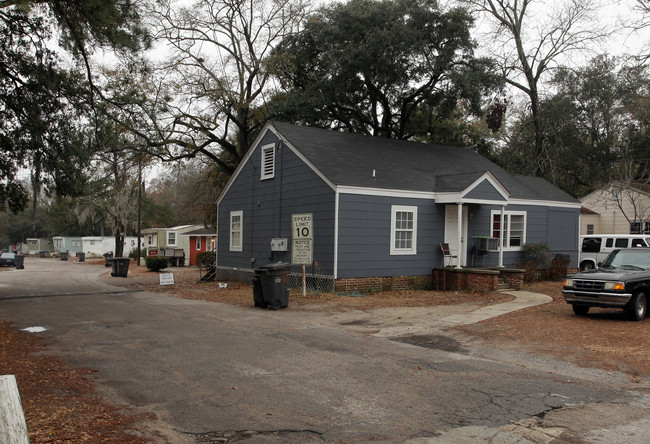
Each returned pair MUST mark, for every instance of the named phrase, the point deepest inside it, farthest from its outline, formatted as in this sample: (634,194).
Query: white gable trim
(493,181)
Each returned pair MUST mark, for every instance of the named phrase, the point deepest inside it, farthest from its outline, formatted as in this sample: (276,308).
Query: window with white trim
(514,228)
(150,239)
(198,243)
(171,238)
(268,162)
(404,228)
(236,223)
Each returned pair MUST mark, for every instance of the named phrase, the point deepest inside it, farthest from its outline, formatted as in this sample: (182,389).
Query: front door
(456,243)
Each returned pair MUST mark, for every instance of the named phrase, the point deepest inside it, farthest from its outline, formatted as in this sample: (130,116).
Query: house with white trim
(379,209)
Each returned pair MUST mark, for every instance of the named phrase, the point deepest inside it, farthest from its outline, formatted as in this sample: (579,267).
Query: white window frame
(233,215)
(150,239)
(394,250)
(506,228)
(267,166)
(169,243)
(198,243)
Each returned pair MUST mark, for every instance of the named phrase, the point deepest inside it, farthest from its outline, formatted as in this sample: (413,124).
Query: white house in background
(618,208)
(97,246)
(157,238)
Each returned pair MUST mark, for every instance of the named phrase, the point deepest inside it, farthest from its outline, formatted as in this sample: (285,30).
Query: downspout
(501,236)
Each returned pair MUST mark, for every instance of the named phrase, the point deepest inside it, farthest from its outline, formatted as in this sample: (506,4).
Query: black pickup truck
(622,280)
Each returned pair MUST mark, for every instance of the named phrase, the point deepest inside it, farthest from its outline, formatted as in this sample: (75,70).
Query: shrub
(156,263)
(539,254)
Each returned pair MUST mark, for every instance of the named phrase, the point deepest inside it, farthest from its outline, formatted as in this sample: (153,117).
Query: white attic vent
(268,162)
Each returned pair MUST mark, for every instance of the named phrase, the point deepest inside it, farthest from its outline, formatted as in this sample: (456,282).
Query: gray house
(377,208)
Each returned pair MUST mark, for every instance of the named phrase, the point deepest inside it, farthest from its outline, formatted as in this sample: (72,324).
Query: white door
(456,243)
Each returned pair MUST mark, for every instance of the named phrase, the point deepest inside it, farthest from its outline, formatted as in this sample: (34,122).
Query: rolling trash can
(81,256)
(274,285)
(258,299)
(107,258)
(44,253)
(19,261)
(64,255)
(120,266)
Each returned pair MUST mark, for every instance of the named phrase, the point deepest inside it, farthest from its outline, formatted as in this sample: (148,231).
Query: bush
(156,263)
(538,254)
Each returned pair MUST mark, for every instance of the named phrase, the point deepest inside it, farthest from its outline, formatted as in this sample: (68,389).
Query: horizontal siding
(267,207)
(485,191)
(364,237)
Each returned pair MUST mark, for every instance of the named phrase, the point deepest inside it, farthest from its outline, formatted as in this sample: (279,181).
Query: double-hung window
(514,228)
(198,243)
(171,238)
(404,228)
(236,223)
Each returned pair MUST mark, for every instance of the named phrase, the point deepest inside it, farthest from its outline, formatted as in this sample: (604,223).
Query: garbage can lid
(275,266)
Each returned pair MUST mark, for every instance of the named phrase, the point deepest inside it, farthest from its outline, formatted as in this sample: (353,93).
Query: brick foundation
(390,283)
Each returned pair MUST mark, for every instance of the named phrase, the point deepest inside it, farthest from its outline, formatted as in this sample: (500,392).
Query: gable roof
(355,160)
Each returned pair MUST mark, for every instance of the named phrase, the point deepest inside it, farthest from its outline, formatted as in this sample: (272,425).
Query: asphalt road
(219,373)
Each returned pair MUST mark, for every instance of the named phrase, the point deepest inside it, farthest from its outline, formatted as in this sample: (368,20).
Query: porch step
(502,285)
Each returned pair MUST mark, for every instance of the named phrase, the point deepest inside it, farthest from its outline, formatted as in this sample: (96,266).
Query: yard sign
(303,239)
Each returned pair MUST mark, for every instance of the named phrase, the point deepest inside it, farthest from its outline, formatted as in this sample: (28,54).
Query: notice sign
(166,278)
(303,239)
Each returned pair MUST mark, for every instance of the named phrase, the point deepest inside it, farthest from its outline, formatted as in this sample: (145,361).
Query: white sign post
(302,251)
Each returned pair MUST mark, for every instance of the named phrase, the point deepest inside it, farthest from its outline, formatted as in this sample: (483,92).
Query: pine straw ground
(62,406)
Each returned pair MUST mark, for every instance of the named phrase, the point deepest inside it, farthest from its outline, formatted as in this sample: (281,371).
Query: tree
(205,98)
(397,69)
(530,38)
(596,127)
(41,103)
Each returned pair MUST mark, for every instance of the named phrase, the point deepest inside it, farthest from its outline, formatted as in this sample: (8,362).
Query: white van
(594,248)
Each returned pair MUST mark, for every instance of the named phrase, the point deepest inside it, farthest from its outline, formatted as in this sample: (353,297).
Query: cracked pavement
(219,373)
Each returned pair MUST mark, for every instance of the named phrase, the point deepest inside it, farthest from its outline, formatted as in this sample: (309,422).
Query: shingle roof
(348,159)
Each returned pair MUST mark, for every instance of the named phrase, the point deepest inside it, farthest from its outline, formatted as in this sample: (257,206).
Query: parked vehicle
(8,259)
(594,248)
(621,281)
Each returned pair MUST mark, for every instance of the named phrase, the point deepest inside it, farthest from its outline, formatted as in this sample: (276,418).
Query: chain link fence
(320,283)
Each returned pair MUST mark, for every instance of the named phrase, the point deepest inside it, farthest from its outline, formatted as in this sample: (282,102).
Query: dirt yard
(62,406)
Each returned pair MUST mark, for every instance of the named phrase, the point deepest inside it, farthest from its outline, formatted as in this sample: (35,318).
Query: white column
(501,236)
(461,241)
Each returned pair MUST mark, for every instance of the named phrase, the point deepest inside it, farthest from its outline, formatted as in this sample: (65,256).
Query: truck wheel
(580,310)
(587,266)
(637,307)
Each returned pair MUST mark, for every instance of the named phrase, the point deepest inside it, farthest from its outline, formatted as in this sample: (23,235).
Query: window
(150,239)
(621,243)
(58,243)
(268,162)
(236,230)
(590,228)
(171,238)
(639,226)
(591,244)
(198,243)
(514,228)
(404,228)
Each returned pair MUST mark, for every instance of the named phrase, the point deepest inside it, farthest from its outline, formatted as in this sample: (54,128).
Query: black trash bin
(63,255)
(107,258)
(120,266)
(274,283)
(45,253)
(19,261)
(81,256)
(258,299)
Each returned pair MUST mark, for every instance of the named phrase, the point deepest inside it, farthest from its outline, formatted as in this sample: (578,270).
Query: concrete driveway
(219,373)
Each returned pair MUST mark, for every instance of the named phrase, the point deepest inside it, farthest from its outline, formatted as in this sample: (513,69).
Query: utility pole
(139,209)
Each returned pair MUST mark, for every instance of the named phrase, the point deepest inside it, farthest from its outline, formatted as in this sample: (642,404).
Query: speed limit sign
(303,237)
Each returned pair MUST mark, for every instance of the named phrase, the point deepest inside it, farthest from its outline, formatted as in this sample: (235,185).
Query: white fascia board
(545,203)
(493,181)
(297,152)
(386,193)
(268,126)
